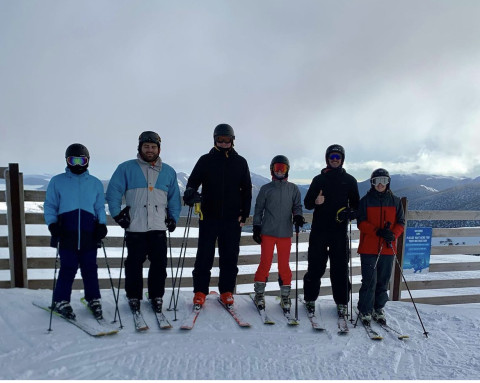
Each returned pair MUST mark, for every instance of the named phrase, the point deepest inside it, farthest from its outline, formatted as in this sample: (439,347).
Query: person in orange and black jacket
(381,220)
(333,194)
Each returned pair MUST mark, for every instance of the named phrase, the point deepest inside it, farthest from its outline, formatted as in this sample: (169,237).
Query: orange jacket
(376,211)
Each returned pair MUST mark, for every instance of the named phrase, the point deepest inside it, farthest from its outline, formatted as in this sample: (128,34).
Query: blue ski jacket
(77,203)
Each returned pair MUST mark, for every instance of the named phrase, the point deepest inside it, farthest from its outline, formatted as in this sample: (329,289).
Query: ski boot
(64,309)
(157,304)
(96,308)
(310,306)
(342,311)
(134,304)
(365,318)
(259,288)
(285,301)
(199,299)
(379,316)
(227,299)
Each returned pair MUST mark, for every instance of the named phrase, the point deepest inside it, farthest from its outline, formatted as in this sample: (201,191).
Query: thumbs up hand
(320,198)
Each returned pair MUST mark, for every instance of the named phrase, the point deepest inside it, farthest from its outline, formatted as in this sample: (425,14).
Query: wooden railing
(21,264)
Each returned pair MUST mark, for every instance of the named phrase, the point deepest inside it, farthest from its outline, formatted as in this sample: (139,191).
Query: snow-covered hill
(218,349)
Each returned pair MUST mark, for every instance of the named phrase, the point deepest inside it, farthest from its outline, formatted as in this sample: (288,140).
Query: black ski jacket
(226,184)
(340,189)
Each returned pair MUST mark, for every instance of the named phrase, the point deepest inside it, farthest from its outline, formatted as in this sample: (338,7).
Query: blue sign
(418,243)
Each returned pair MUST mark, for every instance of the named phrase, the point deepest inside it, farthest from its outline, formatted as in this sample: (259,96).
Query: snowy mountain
(424,192)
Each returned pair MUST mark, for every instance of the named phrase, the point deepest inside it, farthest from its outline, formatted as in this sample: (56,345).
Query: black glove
(346,213)
(386,234)
(191,196)
(123,219)
(55,229)
(257,229)
(298,220)
(100,231)
(171,224)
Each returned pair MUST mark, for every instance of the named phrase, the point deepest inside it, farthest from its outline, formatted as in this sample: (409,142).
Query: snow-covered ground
(219,349)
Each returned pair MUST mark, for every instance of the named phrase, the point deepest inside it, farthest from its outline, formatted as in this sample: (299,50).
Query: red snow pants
(283,252)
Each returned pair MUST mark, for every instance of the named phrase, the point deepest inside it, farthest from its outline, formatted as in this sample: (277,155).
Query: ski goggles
(334,157)
(74,161)
(280,168)
(380,180)
(223,139)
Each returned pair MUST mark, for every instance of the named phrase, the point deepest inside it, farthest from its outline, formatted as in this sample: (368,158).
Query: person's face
(380,183)
(335,159)
(150,151)
(224,142)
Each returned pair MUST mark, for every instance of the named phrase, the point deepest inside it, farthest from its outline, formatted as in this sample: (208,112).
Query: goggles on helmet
(223,139)
(380,180)
(280,168)
(334,156)
(80,161)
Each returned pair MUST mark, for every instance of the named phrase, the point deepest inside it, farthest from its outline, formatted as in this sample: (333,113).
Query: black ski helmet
(380,172)
(335,148)
(279,159)
(148,136)
(77,150)
(223,130)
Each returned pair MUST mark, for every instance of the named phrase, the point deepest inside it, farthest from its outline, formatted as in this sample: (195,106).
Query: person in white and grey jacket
(153,206)
(276,204)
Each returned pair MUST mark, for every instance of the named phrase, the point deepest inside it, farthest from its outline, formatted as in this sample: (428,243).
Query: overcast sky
(397,83)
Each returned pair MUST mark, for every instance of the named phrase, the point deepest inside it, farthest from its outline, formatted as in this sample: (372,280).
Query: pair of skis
(141,325)
(389,329)
(93,327)
(189,322)
(291,320)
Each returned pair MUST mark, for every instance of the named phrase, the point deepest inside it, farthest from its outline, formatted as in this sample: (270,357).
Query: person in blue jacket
(153,206)
(74,211)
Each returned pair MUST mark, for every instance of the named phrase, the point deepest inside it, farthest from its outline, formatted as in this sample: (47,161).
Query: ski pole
(185,237)
(425,332)
(183,262)
(297,229)
(111,284)
(120,279)
(53,289)
(351,272)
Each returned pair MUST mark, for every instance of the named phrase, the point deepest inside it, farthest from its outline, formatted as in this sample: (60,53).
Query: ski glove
(346,213)
(298,220)
(386,234)
(100,231)
(257,229)
(123,219)
(171,224)
(191,196)
(55,229)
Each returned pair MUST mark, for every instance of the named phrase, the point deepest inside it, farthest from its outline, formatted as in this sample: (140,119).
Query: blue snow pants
(70,260)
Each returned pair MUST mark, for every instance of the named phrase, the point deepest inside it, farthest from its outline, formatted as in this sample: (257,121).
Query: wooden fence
(20,263)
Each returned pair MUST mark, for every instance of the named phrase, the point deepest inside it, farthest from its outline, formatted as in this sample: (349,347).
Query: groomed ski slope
(217,348)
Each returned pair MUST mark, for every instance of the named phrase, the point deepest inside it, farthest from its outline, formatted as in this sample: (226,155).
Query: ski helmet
(80,151)
(280,159)
(380,173)
(148,136)
(335,148)
(224,130)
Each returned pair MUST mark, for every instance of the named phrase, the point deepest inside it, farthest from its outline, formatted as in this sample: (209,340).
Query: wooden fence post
(397,276)
(16,226)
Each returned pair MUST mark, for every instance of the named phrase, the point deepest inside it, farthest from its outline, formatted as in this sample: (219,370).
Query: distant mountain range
(424,192)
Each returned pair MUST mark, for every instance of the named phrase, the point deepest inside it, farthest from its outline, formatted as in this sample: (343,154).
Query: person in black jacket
(333,195)
(226,199)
